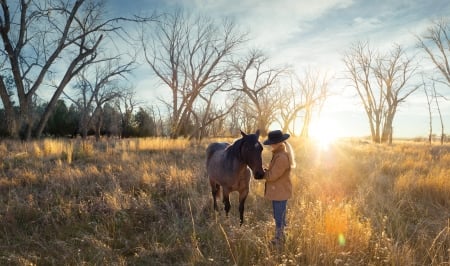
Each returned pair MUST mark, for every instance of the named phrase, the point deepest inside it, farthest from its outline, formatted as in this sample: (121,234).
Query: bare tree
(39,38)
(392,73)
(381,82)
(260,83)
(358,61)
(436,43)
(238,119)
(432,96)
(189,55)
(304,96)
(429,103)
(94,88)
(155,112)
(440,113)
(112,120)
(209,112)
(244,115)
(126,104)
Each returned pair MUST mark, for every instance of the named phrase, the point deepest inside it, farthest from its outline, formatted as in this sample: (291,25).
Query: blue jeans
(279,213)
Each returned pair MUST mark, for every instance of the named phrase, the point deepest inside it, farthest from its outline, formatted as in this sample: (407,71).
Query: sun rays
(324,132)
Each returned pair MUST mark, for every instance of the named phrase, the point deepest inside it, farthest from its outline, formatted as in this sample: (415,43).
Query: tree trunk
(10,114)
(98,127)
(390,135)
(83,125)
(25,120)
(306,122)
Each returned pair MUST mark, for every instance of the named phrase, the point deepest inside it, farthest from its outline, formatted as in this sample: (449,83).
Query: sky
(315,34)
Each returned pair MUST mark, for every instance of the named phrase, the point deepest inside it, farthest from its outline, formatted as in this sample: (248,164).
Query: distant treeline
(67,121)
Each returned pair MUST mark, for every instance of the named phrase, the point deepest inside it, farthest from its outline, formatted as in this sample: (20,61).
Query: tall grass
(148,202)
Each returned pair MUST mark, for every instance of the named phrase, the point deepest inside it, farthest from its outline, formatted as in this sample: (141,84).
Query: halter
(236,150)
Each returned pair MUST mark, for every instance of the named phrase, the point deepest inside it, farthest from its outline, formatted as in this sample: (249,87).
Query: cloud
(366,23)
(269,22)
(306,33)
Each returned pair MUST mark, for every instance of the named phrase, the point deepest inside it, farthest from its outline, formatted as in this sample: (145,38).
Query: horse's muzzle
(259,175)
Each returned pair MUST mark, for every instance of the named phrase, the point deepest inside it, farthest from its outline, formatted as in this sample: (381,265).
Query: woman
(278,187)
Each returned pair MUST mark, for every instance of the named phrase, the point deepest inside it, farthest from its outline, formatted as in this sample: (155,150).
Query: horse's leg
(214,189)
(226,200)
(243,193)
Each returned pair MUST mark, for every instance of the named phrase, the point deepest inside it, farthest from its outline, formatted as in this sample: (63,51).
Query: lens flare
(341,239)
(324,132)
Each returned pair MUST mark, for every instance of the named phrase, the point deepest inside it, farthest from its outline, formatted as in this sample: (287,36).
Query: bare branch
(189,56)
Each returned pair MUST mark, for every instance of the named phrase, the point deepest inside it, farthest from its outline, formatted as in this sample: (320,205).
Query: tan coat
(278,181)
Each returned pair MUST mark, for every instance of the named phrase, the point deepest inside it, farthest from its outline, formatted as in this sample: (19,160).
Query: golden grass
(148,202)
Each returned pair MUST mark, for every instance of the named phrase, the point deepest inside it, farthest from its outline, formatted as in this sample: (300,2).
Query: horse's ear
(243,134)
(257,133)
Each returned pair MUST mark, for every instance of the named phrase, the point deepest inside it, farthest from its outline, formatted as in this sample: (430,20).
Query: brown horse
(230,166)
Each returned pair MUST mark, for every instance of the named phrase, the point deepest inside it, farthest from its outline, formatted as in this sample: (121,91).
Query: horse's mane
(234,150)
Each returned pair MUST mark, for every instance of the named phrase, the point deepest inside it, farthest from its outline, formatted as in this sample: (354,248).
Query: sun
(324,132)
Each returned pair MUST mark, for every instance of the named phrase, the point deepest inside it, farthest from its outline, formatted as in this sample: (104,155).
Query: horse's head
(251,150)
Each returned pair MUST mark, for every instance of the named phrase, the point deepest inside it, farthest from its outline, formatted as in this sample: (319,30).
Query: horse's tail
(210,150)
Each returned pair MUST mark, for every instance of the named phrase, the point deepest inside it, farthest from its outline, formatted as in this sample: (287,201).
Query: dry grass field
(148,202)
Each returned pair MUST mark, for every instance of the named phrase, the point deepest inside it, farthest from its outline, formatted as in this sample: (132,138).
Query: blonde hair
(291,154)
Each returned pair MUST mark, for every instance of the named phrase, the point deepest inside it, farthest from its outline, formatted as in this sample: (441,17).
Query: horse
(230,166)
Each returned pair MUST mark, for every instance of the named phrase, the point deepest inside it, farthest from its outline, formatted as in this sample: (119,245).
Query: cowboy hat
(276,136)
